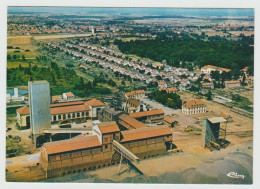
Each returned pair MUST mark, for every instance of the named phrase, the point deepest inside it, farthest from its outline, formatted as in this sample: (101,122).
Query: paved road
(157,105)
(180,117)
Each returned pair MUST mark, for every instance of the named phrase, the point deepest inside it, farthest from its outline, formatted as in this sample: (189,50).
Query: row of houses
(142,70)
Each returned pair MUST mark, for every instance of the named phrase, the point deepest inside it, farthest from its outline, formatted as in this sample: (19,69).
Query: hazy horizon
(128,11)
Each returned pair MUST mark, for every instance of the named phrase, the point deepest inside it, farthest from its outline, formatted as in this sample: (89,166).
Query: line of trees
(15,57)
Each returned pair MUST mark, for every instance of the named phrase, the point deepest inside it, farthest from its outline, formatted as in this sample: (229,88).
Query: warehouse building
(90,152)
(63,112)
(152,116)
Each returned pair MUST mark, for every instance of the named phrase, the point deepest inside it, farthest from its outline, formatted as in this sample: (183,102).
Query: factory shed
(151,116)
(145,133)
(71,144)
(130,123)
(108,127)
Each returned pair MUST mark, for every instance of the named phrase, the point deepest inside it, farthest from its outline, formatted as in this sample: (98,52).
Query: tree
(94,83)
(208,95)
(223,78)
(9,57)
(81,83)
(14,57)
(23,58)
(215,75)
(123,82)
(243,79)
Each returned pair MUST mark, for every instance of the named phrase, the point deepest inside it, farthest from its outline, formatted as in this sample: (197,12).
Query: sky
(134,11)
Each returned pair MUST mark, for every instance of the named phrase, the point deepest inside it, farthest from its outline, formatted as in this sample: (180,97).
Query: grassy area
(242,102)
(22,46)
(130,38)
(10,115)
(15,64)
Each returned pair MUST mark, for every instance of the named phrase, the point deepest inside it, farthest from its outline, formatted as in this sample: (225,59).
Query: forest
(61,79)
(217,51)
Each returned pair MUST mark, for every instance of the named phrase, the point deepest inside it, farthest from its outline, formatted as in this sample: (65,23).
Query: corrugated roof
(94,102)
(108,127)
(217,119)
(144,133)
(131,121)
(147,113)
(71,144)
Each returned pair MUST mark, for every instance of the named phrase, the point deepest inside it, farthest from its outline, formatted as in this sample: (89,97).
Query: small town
(106,97)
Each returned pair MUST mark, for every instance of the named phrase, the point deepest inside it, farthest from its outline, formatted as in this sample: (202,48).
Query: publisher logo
(235,175)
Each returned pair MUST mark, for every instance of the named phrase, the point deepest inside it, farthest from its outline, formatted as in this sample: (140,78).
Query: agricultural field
(22,46)
(60,36)
(130,38)
(246,33)
(15,64)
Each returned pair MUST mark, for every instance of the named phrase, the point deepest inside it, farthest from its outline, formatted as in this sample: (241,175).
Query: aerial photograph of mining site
(129,95)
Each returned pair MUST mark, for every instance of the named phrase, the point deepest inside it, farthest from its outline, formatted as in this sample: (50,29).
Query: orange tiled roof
(60,108)
(67,104)
(69,109)
(207,84)
(23,110)
(194,104)
(144,133)
(71,144)
(131,121)
(215,67)
(69,94)
(108,127)
(94,102)
(147,113)
(134,101)
(172,89)
(135,92)
(231,82)
(169,119)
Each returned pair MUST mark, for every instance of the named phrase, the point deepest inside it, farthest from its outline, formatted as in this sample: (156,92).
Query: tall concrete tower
(92,30)
(39,103)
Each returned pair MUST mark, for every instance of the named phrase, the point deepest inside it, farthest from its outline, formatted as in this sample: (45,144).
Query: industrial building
(213,134)
(170,121)
(152,116)
(109,114)
(102,144)
(100,149)
(132,105)
(60,112)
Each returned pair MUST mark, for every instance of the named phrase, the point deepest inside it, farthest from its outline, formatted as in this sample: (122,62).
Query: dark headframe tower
(211,131)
